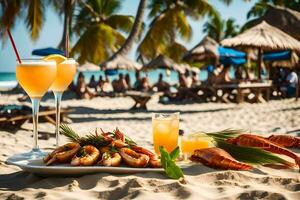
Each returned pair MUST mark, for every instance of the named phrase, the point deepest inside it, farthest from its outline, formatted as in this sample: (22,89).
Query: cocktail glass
(66,71)
(35,77)
(165,128)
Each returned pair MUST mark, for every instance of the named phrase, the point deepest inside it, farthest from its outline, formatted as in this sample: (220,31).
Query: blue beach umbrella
(47,51)
(279,55)
(228,56)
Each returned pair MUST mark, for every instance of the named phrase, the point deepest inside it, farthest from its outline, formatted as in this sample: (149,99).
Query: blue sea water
(7,79)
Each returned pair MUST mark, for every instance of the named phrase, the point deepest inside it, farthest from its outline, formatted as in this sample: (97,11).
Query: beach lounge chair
(14,116)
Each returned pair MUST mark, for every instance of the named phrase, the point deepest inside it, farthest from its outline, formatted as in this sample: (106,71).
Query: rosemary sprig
(95,140)
(69,133)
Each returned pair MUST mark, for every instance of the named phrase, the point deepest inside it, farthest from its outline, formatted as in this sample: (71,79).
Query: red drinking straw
(14,46)
(67,44)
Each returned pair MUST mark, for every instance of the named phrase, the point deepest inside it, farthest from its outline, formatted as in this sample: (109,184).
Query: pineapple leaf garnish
(251,155)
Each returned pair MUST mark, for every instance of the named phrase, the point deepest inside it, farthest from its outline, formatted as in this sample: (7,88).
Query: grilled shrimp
(87,156)
(62,154)
(134,159)
(154,160)
(109,158)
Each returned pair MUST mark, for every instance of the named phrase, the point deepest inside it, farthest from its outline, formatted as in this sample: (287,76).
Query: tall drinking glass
(165,128)
(35,77)
(66,71)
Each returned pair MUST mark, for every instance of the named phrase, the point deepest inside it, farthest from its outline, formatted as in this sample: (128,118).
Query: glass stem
(58,96)
(35,121)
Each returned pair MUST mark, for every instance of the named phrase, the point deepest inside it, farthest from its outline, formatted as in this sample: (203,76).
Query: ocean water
(8,79)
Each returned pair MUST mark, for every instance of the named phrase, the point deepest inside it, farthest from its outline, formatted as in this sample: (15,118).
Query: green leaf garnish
(168,163)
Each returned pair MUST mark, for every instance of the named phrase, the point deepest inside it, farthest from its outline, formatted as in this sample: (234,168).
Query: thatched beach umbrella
(163,62)
(285,19)
(206,49)
(121,62)
(263,37)
(87,66)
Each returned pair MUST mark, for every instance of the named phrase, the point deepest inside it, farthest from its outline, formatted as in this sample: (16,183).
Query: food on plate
(218,158)
(286,141)
(249,140)
(102,148)
(134,159)
(62,154)
(88,155)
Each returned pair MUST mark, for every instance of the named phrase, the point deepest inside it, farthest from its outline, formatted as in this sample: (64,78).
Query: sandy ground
(202,182)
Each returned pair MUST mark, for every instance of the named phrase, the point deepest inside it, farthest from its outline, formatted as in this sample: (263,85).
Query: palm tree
(135,31)
(99,29)
(34,10)
(169,20)
(219,29)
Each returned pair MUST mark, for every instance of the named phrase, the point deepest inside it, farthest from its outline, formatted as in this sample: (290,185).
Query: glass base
(33,154)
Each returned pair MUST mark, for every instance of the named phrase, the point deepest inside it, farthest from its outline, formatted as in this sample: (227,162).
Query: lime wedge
(55,57)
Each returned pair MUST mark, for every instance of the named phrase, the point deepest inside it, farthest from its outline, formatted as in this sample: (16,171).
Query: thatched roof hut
(206,49)
(264,37)
(285,19)
(121,62)
(164,62)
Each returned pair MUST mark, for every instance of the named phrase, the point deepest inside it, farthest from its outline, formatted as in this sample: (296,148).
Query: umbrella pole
(259,62)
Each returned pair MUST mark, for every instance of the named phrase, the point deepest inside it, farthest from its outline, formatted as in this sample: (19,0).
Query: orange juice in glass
(35,77)
(66,70)
(165,128)
(191,142)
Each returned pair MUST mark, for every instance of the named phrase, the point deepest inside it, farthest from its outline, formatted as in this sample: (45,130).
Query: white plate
(37,166)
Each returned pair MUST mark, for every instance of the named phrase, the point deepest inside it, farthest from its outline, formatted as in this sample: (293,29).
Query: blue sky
(52,30)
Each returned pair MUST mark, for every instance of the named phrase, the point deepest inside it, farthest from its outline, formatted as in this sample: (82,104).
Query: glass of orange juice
(35,77)
(165,128)
(66,70)
(191,142)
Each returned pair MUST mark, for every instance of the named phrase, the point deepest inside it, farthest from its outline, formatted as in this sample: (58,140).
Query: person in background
(128,81)
(195,79)
(101,84)
(93,83)
(138,81)
(223,77)
(81,89)
(188,78)
(120,85)
(145,85)
(292,83)
(161,85)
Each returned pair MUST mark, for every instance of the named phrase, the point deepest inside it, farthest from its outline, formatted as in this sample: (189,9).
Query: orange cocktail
(36,76)
(66,71)
(189,143)
(165,129)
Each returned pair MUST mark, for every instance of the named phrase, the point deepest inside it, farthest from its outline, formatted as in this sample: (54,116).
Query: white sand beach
(201,182)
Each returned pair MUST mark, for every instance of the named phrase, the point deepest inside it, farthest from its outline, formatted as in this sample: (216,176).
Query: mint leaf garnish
(168,163)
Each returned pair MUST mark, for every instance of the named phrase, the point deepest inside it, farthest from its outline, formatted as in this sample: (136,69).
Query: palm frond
(121,22)
(35,17)
(225,134)
(251,155)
